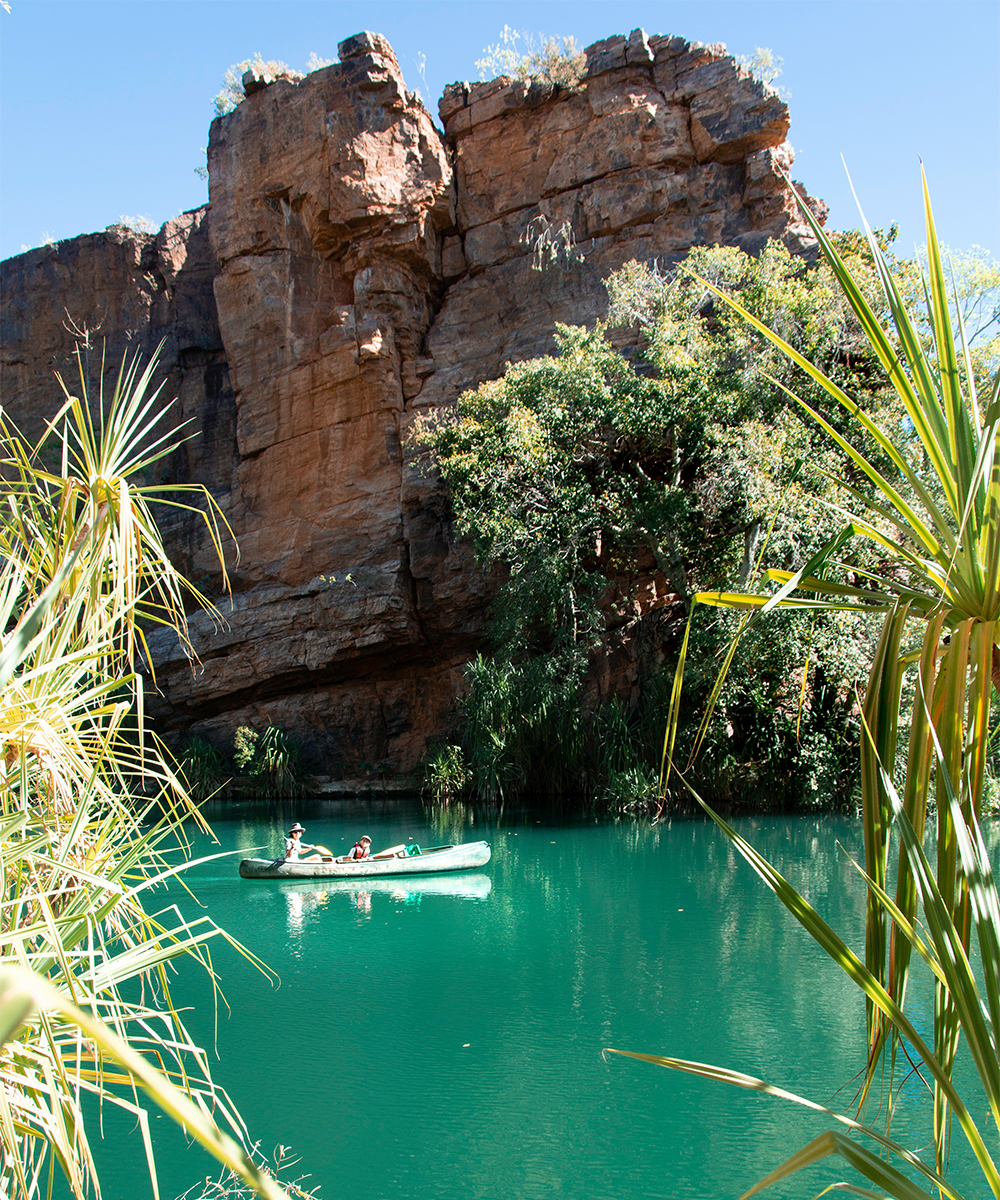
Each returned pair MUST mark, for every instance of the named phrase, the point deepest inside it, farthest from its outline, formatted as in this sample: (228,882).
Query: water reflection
(303,896)
(300,906)
(451,822)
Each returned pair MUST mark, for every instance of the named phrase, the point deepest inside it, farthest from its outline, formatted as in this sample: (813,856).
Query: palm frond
(91,810)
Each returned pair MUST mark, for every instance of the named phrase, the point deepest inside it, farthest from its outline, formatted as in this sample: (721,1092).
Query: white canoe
(439,858)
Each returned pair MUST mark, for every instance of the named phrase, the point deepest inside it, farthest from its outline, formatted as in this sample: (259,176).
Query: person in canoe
(294,845)
(362,848)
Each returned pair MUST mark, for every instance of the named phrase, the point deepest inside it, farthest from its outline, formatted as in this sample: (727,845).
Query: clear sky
(105,104)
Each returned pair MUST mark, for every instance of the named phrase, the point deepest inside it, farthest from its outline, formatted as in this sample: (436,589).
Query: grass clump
(227,1185)
(204,768)
(522,55)
(443,774)
(233,93)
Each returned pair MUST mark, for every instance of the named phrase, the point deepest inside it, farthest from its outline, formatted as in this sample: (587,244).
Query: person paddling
(361,848)
(294,846)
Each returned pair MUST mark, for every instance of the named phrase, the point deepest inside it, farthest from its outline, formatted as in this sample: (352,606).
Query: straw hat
(297,828)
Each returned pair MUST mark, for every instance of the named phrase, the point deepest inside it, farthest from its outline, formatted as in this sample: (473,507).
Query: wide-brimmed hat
(364,838)
(297,828)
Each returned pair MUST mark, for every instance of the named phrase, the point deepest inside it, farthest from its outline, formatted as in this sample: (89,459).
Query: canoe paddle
(381,854)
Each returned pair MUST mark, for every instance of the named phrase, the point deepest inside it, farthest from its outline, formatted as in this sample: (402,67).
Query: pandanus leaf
(751,1083)
(24,991)
(942,569)
(944,939)
(881,712)
(81,844)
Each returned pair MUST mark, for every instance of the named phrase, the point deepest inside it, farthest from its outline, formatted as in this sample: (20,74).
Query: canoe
(429,862)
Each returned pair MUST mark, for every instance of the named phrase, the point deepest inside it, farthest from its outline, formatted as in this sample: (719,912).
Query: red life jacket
(359,851)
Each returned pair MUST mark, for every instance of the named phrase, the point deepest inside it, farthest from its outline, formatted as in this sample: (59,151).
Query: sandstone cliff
(353,268)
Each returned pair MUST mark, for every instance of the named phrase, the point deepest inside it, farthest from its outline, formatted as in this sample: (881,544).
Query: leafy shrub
(765,66)
(573,469)
(631,790)
(443,773)
(270,760)
(139,224)
(523,56)
(232,93)
(203,767)
(315,63)
(525,732)
(528,733)
(244,748)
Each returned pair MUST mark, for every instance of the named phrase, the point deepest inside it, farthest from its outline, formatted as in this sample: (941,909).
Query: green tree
(575,471)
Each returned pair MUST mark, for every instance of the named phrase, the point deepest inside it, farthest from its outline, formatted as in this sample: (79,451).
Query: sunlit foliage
(931,510)
(522,55)
(679,460)
(91,809)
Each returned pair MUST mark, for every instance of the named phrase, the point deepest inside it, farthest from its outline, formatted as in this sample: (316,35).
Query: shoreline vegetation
(92,815)
(932,508)
(611,487)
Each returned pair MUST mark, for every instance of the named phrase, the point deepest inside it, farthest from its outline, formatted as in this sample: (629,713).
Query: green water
(443,1039)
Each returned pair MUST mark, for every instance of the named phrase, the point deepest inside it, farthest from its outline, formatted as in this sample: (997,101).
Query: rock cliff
(355,267)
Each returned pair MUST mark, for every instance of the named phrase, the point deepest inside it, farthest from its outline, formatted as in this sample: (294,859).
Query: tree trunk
(751,540)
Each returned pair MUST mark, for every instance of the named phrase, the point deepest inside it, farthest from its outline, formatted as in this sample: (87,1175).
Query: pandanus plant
(91,809)
(929,502)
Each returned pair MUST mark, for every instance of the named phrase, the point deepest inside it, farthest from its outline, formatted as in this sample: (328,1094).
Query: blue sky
(105,104)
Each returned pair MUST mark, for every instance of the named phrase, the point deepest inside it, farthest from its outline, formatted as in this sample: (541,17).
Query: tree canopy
(658,446)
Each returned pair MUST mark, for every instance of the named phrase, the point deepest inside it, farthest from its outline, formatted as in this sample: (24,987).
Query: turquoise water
(442,1039)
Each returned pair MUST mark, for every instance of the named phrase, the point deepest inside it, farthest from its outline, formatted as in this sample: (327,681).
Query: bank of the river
(435,1040)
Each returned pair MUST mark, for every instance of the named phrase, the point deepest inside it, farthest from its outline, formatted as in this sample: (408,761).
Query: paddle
(381,854)
(328,854)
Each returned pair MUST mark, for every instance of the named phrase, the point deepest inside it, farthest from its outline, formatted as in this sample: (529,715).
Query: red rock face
(355,268)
